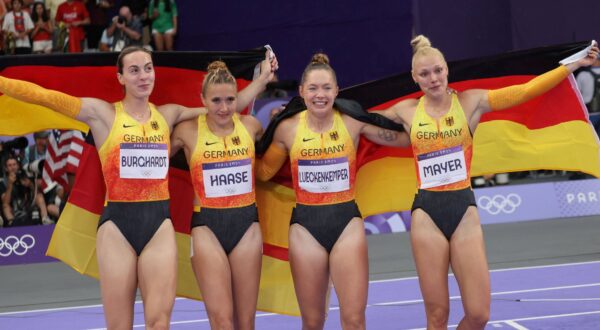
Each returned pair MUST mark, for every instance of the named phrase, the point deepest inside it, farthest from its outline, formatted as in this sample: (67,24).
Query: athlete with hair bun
(326,236)
(445,228)
(226,237)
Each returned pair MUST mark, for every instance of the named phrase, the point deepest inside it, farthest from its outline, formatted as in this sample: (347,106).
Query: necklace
(139,116)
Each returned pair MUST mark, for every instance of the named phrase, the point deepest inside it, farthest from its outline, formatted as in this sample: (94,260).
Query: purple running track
(543,297)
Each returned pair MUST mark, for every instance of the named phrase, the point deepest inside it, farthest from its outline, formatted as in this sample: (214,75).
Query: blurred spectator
(588,81)
(16,27)
(125,29)
(38,149)
(105,42)
(28,6)
(164,23)
(139,9)
(12,148)
(52,6)
(74,16)
(35,152)
(21,204)
(4,5)
(99,11)
(43,30)
(490,180)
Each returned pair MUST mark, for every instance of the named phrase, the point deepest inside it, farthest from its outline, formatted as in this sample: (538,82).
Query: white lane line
(541,317)
(547,289)
(406,302)
(186,322)
(498,270)
(545,266)
(58,309)
(558,299)
(515,325)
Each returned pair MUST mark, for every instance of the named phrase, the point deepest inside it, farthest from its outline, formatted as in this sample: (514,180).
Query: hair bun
(319,58)
(216,66)
(419,42)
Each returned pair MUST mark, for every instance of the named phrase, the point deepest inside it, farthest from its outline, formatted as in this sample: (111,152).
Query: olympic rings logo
(19,246)
(499,203)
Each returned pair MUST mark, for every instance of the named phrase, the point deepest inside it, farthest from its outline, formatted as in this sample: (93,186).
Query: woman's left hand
(590,58)
(268,66)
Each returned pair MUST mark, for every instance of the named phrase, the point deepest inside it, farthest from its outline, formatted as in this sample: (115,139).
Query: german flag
(551,131)
(178,80)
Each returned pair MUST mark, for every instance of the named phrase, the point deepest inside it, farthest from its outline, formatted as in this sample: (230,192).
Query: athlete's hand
(590,59)
(275,111)
(268,66)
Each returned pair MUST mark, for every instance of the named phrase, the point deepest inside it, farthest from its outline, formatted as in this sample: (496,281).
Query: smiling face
(138,74)
(319,90)
(430,71)
(220,101)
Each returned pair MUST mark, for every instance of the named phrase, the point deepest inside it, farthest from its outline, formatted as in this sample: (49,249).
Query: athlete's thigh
(245,261)
(212,271)
(309,262)
(469,262)
(117,266)
(349,263)
(157,269)
(431,251)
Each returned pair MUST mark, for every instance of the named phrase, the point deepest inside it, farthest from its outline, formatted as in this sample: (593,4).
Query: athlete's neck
(137,108)
(220,129)
(437,106)
(319,122)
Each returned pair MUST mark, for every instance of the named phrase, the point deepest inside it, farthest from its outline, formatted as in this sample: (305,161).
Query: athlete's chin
(146,88)
(224,118)
(320,108)
(143,94)
(436,91)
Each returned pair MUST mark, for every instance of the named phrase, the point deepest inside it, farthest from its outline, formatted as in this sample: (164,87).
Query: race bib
(143,160)
(227,178)
(442,167)
(324,175)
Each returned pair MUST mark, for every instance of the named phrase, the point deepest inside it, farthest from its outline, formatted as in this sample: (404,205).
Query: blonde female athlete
(327,236)
(135,240)
(445,229)
(226,238)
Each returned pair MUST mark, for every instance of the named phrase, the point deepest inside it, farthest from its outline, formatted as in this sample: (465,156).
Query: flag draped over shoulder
(178,80)
(551,131)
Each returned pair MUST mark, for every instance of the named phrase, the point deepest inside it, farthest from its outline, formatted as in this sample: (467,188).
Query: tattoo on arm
(387,135)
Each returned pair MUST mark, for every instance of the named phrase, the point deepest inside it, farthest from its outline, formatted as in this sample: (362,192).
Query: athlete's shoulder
(251,123)
(186,126)
(290,121)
